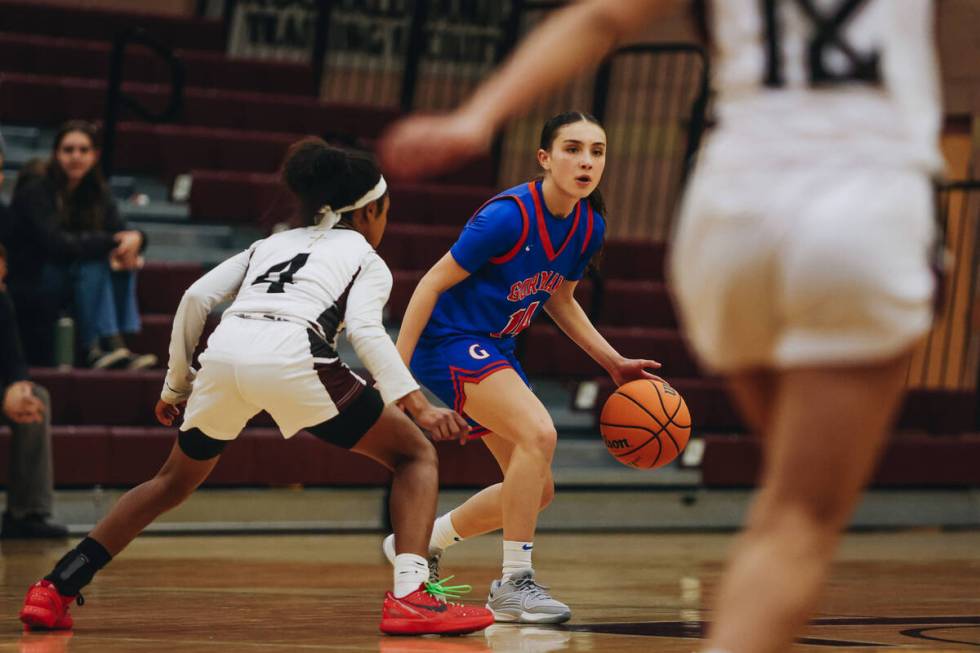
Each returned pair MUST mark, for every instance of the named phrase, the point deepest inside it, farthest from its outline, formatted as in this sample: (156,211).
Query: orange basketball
(645,424)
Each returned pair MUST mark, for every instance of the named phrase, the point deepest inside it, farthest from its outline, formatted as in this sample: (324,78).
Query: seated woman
(69,246)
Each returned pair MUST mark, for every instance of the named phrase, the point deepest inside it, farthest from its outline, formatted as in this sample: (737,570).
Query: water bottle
(64,343)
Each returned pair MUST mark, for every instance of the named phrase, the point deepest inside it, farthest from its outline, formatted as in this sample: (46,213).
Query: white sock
(517,557)
(410,571)
(444,535)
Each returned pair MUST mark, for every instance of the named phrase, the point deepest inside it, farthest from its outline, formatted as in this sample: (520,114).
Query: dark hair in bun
(319,174)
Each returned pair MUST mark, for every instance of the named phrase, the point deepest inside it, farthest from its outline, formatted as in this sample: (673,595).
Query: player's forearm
(573,321)
(417,315)
(376,351)
(568,42)
(192,313)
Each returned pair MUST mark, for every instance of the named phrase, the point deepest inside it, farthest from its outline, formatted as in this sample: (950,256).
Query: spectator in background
(27,410)
(70,247)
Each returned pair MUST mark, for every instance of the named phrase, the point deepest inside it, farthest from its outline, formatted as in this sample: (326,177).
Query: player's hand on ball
(443,424)
(166,413)
(631,369)
(424,146)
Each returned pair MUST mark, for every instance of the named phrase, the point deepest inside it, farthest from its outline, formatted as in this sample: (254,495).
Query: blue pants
(445,365)
(103,301)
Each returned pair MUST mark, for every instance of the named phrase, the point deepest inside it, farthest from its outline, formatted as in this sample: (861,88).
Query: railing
(115,98)
(430,54)
(949,358)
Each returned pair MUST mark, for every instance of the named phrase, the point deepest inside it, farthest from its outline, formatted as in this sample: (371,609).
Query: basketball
(645,424)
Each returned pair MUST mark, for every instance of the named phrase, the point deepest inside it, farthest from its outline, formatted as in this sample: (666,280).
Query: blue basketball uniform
(518,254)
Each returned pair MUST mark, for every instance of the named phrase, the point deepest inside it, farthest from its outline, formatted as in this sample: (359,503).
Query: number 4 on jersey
(519,320)
(282,273)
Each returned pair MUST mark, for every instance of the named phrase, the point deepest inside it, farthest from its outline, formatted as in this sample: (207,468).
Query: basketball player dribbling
(275,350)
(801,257)
(525,249)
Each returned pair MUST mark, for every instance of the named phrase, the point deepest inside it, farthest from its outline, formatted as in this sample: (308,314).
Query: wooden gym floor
(634,592)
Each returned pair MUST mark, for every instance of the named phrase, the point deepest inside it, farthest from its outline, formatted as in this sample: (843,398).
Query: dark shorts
(444,365)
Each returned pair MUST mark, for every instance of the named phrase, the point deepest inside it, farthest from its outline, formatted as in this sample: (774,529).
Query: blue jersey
(518,254)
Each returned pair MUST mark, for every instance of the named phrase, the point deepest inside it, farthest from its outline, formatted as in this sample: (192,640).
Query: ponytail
(320,175)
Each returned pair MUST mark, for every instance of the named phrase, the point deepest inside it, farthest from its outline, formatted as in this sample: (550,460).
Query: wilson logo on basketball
(617,444)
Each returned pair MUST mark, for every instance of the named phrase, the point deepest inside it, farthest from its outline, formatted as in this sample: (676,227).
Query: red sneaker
(422,613)
(47,609)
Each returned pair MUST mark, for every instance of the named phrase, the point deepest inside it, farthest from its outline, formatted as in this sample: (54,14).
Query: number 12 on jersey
(518,321)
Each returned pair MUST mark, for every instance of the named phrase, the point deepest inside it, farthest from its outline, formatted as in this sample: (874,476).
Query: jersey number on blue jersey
(519,320)
(283,273)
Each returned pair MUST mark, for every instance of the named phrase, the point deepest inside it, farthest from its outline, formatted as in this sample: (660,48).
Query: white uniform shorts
(780,269)
(256,364)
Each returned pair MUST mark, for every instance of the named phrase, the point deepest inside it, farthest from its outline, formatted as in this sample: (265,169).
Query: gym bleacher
(237,118)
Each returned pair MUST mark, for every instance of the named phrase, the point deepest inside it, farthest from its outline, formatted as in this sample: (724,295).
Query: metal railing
(949,358)
(115,98)
(430,54)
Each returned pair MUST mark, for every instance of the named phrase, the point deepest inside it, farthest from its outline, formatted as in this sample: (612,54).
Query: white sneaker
(521,599)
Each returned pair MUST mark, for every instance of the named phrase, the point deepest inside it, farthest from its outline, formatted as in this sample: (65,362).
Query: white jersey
(324,279)
(810,82)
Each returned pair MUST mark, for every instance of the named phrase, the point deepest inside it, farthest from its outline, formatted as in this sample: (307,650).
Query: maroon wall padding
(160,285)
(545,351)
(46,59)
(103,24)
(909,460)
(634,260)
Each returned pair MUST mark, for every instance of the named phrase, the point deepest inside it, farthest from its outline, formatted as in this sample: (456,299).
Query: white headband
(328,217)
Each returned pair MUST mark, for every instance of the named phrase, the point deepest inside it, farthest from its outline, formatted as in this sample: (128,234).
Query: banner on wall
(369,33)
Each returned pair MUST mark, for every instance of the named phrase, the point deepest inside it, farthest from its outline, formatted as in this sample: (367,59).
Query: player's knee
(423,452)
(542,438)
(809,519)
(547,494)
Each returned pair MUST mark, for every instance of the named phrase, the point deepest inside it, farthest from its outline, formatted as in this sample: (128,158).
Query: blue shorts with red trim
(444,365)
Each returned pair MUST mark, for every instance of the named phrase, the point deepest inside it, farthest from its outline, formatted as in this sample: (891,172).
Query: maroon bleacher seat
(924,410)
(210,105)
(632,303)
(433,203)
(908,460)
(162,283)
(416,247)
(545,351)
(103,24)
(633,260)
(239,197)
(154,337)
(124,456)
